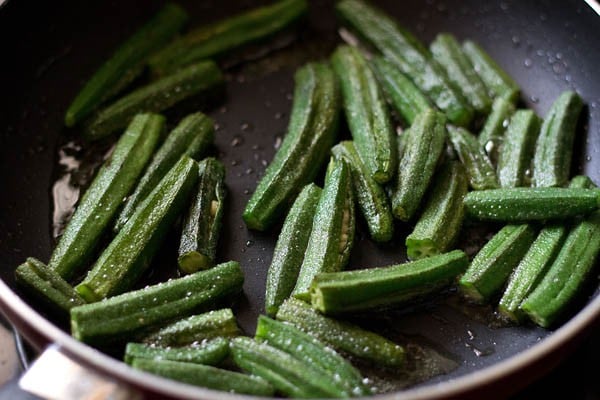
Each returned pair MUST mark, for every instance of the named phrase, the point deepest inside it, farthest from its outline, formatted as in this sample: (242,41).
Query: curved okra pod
(311,132)
(478,166)
(366,113)
(290,248)
(332,235)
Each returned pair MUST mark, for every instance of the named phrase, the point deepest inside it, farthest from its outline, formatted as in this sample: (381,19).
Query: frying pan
(50,48)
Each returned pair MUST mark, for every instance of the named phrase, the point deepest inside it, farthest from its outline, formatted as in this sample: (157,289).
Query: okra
(531,204)
(307,348)
(332,234)
(517,149)
(554,148)
(205,376)
(374,288)
(370,196)
(289,375)
(191,137)
(115,179)
(129,254)
(422,151)
(447,52)
(492,133)
(402,49)
(133,314)
(441,220)
(497,81)
(209,353)
(47,286)
(195,329)
(345,337)
(564,279)
(213,40)
(406,98)
(202,223)
(492,266)
(126,63)
(472,155)
(366,113)
(154,97)
(290,248)
(311,132)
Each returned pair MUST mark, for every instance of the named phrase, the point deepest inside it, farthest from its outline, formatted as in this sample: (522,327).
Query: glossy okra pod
(479,168)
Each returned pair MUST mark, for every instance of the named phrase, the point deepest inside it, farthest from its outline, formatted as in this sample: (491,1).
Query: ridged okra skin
(494,263)
(492,133)
(311,133)
(404,50)
(332,235)
(370,196)
(156,96)
(101,201)
(497,81)
(376,288)
(191,137)
(290,248)
(554,148)
(406,98)
(134,313)
(421,153)
(342,336)
(439,225)
(126,63)
(202,223)
(366,113)
(517,149)
(210,352)
(213,40)
(131,251)
(448,53)
(479,168)
(205,376)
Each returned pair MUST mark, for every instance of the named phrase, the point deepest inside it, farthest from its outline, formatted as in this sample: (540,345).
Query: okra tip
(193,261)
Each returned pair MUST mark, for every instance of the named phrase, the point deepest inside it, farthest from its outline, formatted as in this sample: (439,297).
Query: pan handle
(54,375)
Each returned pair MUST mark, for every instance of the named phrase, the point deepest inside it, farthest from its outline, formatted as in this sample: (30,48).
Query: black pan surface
(49,49)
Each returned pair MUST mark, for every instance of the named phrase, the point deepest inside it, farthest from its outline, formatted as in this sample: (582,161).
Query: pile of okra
(512,168)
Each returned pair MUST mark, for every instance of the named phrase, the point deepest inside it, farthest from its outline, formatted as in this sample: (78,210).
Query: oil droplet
(249,243)
(277,143)
(237,141)
(528,63)
(534,99)
(246,127)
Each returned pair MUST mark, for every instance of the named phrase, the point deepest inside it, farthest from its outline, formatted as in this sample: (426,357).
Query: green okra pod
(374,288)
(202,223)
(370,196)
(98,206)
(517,149)
(422,151)
(289,375)
(205,376)
(447,52)
(195,329)
(492,133)
(191,137)
(157,96)
(441,220)
(497,81)
(215,39)
(404,50)
(531,204)
(211,352)
(332,234)
(290,248)
(134,313)
(366,113)
(492,266)
(479,168)
(129,254)
(126,63)
(47,286)
(342,336)
(406,98)
(554,148)
(311,132)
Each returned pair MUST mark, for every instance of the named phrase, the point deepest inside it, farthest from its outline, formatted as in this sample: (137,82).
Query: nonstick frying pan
(50,48)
